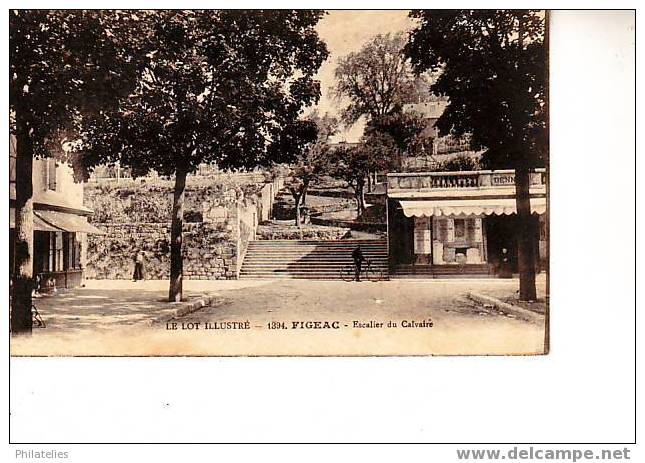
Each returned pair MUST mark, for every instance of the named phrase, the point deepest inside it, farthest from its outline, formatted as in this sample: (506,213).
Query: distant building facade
(433,147)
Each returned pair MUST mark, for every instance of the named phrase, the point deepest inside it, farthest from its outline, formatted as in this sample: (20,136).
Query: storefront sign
(503,179)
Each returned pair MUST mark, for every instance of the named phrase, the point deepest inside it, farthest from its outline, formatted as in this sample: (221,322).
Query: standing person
(139,273)
(505,265)
(358,257)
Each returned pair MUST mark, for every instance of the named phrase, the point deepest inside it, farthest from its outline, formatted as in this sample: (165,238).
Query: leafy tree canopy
(353,163)
(308,142)
(377,80)
(492,68)
(64,62)
(404,129)
(218,86)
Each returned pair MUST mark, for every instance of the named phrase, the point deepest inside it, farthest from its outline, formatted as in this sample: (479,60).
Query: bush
(460,162)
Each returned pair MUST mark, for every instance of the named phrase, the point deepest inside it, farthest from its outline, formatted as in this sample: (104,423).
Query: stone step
(307,259)
(332,272)
(296,277)
(313,249)
(304,268)
(321,248)
(308,264)
(317,243)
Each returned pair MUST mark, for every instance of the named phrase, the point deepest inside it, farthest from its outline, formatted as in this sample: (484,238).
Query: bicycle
(370,272)
(36,319)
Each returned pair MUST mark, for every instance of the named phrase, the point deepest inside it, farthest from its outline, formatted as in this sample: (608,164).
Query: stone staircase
(312,260)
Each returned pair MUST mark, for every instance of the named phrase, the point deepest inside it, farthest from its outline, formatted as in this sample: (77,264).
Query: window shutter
(51,176)
(451,230)
(45,173)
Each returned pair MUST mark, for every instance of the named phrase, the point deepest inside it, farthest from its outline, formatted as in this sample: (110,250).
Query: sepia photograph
(245,182)
(321,226)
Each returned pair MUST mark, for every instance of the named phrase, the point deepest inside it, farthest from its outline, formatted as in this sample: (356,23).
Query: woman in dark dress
(505,265)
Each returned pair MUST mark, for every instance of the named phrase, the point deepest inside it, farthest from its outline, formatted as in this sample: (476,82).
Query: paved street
(114,318)
(104,305)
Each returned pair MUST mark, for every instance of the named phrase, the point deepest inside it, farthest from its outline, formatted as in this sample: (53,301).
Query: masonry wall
(213,248)
(209,252)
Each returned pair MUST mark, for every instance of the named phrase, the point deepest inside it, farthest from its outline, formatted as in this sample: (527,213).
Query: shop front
(60,222)
(59,239)
(464,225)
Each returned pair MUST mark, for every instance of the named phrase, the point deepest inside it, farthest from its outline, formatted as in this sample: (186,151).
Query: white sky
(345,31)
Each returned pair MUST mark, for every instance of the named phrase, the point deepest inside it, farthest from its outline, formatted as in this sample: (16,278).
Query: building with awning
(60,222)
(458,223)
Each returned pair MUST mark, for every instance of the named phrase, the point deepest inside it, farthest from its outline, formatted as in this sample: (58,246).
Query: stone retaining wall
(209,252)
(213,249)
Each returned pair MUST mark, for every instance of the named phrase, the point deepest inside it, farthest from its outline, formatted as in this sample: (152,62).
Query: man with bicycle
(358,257)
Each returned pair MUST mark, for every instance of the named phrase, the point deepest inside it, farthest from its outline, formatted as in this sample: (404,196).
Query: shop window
(59,252)
(51,252)
(73,251)
(444,230)
(460,229)
(55,258)
(422,236)
(41,251)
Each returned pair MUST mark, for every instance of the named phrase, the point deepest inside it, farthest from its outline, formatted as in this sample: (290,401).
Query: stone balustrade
(461,179)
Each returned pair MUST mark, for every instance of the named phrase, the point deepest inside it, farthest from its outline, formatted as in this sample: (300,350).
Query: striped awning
(68,222)
(51,221)
(431,208)
(39,224)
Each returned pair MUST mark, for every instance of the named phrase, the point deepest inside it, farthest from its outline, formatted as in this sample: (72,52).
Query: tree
(459,163)
(493,70)
(354,163)
(377,80)
(218,86)
(309,142)
(61,62)
(405,130)
(300,139)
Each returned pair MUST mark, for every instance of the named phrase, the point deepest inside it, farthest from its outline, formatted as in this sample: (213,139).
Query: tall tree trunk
(298,220)
(23,279)
(297,198)
(369,181)
(175,292)
(360,198)
(525,235)
(357,197)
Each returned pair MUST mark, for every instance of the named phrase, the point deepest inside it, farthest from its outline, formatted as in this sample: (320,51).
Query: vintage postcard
(279,183)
